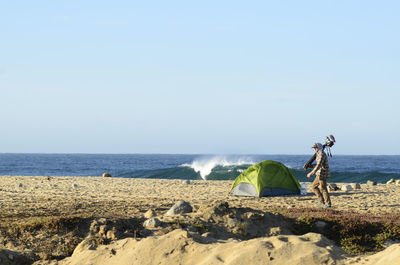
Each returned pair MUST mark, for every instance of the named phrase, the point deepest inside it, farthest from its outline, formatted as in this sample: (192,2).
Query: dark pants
(319,186)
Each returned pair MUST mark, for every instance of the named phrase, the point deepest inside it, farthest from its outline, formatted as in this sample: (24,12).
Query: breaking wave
(206,165)
(343,168)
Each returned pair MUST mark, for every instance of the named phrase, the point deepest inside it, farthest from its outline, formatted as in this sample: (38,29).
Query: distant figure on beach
(322,173)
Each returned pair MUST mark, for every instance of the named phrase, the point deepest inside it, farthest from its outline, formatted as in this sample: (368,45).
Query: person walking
(322,173)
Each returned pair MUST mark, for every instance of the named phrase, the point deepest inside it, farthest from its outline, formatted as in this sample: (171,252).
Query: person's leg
(324,190)
(316,190)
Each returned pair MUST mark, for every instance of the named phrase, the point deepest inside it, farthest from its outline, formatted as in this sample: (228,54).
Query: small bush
(356,233)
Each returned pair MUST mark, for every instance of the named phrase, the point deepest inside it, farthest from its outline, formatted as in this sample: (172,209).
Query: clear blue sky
(220,77)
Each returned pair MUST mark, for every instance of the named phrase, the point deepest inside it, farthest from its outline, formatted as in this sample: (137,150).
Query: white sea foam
(205,165)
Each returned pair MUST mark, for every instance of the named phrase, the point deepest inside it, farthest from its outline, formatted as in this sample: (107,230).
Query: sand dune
(177,248)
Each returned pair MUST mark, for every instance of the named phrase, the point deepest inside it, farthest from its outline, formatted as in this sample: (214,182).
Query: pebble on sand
(390,181)
(106,175)
(371,183)
(346,188)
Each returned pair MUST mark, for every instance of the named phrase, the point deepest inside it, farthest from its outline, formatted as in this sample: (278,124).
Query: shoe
(320,203)
(326,206)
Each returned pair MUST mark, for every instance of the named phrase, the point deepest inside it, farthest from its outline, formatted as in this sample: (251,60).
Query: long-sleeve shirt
(321,168)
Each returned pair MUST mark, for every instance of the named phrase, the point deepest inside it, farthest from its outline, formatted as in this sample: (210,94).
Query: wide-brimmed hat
(317,145)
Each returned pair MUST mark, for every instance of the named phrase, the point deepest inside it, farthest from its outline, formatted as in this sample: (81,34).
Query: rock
(332,187)
(254,216)
(106,175)
(86,244)
(150,213)
(398,182)
(232,222)
(320,225)
(390,242)
(346,188)
(371,183)
(180,207)
(74,185)
(153,222)
(356,186)
(390,181)
(20,185)
(103,230)
(94,227)
(111,235)
(207,234)
(103,220)
(274,231)
(186,181)
(9,257)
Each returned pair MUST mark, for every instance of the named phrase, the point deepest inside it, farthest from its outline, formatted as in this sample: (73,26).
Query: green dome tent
(267,178)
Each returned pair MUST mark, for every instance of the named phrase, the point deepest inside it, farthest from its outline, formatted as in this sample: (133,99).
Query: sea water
(344,168)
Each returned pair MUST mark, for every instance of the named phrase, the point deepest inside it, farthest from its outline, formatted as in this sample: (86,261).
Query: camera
(329,142)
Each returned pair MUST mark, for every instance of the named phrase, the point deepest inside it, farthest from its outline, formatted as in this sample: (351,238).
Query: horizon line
(199,154)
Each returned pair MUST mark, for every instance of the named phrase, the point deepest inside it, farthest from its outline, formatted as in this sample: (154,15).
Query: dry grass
(356,233)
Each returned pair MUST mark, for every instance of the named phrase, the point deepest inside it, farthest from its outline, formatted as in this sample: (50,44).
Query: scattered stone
(186,181)
(103,230)
(111,235)
(254,216)
(103,220)
(94,227)
(332,187)
(390,181)
(74,185)
(371,183)
(207,234)
(150,213)
(180,207)
(20,185)
(356,186)
(9,257)
(153,222)
(346,188)
(390,242)
(87,243)
(232,222)
(106,175)
(320,225)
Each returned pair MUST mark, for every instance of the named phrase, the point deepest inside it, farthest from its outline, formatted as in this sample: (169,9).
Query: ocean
(344,168)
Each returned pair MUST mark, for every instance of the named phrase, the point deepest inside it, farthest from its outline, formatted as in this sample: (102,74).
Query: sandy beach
(25,198)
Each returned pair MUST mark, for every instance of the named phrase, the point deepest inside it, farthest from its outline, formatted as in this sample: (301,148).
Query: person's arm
(319,163)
